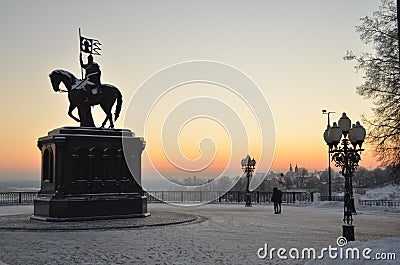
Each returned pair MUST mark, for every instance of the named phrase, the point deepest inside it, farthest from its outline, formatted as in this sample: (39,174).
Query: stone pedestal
(85,175)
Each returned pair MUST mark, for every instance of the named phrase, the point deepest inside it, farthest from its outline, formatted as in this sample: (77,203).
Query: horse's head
(58,76)
(55,81)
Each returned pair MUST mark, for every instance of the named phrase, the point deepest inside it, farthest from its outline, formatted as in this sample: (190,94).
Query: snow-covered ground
(15,209)
(390,192)
(231,234)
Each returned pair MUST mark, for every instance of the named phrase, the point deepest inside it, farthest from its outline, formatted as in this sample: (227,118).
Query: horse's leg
(107,111)
(104,122)
(111,121)
(70,109)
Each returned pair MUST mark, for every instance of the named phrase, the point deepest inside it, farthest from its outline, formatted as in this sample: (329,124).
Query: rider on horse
(92,71)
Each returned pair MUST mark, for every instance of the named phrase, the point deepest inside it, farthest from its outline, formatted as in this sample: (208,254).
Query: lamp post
(248,166)
(346,155)
(329,158)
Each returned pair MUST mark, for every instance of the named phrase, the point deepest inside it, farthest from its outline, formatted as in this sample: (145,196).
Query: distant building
(292,173)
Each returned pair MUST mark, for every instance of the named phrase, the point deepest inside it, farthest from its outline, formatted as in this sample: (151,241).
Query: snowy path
(232,234)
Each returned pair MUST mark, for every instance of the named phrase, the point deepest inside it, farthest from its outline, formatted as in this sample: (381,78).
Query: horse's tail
(119,104)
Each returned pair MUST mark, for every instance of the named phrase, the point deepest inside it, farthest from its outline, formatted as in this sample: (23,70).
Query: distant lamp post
(346,155)
(329,155)
(248,166)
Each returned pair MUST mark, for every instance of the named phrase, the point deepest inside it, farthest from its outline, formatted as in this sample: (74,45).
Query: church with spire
(290,173)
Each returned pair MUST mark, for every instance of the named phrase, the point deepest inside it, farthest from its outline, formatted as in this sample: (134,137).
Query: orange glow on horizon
(13,160)
(31,164)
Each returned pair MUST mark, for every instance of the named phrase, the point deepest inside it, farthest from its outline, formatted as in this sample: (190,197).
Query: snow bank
(391,192)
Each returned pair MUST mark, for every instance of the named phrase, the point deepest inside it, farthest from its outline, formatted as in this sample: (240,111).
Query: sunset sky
(292,50)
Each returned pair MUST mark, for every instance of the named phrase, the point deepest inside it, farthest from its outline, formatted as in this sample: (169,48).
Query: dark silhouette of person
(276,198)
(280,194)
(92,71)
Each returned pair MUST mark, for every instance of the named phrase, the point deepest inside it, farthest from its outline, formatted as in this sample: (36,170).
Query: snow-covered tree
(381,71)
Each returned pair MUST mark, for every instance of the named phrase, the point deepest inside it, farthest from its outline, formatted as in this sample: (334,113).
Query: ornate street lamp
(346,155)
(248,166)
(329,155)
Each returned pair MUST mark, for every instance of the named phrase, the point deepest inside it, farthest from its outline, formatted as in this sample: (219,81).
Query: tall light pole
(329,156)
(248,166)
(347,157)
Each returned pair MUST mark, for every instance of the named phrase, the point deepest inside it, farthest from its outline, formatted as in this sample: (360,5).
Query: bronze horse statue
(82,98)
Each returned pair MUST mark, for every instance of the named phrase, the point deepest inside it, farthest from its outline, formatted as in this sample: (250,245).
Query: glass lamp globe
(352,137)
(335,134)
(359,133)
(245,161)
(328,141)
(344,124)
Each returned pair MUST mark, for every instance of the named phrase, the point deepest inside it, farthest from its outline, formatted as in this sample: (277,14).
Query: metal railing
(334,198)
(224,197)
(21,197)
(9,198)
(383,203)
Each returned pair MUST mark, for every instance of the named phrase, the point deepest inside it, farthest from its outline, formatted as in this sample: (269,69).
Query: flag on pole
(87,45)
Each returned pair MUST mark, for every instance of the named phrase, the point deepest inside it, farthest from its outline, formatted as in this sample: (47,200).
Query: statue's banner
(88,45)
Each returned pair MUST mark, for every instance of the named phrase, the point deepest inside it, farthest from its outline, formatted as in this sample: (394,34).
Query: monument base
(85,175)
(90,207)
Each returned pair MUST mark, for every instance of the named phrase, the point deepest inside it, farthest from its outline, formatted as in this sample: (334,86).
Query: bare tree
(303,175)
(381,81)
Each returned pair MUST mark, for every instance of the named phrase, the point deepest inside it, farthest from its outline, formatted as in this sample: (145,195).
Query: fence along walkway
(7,198)
(224,197)
(14,198)
(384,203)
(22,197)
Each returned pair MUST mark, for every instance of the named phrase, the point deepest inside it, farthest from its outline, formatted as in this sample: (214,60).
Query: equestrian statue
(83,93)
(89,91)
